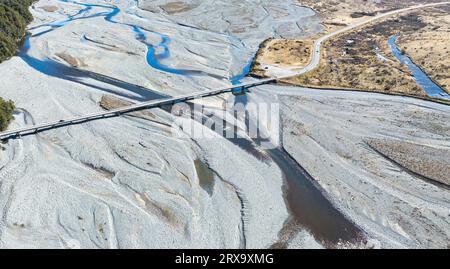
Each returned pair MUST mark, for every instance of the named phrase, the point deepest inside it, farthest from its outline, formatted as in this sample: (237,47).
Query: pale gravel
(325,131)
(54,192)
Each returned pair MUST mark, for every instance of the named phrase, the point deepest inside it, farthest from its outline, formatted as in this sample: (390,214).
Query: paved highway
(315,61)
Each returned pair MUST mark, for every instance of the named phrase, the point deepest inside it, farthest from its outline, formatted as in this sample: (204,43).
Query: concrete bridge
(315,61)
(119,111)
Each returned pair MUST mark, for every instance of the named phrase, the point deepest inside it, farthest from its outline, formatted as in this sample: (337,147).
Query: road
(315,61)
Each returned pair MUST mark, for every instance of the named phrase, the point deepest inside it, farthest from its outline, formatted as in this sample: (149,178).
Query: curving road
(315,61)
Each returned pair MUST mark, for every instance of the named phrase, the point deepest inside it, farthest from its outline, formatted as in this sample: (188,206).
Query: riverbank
(281,57)
(143,181)
(360,59)
(422,79)
(352,61)
(328,131)
(342,13)
(429,48)
(132,182)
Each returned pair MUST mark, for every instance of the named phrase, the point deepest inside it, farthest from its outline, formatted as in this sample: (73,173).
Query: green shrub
(11,23)
(14,17)
(21,7)
(6,113)
(7,47)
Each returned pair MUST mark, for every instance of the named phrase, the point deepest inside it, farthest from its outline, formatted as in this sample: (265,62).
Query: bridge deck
(119,111)
(156,103)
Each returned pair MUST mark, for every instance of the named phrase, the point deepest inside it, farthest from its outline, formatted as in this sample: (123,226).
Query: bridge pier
(239,91)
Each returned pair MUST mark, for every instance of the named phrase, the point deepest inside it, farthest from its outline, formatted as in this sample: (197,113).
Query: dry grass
(288,52)
(429,47)
(362,59)
(338,13)
(283,53)
(353,60)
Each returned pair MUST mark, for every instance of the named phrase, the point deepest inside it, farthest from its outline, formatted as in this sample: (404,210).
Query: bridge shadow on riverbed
(59,70)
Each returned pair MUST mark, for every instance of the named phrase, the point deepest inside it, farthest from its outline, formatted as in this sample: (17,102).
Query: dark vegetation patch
(14,17)
(360,14)
(6,113)
(350,60)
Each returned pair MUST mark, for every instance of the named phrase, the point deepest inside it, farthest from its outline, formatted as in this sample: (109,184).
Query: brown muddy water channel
(305,200)
(308,207)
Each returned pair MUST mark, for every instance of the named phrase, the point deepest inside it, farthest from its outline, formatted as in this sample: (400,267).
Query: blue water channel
(422,79)
(239,77)
(309,208)
(56,69)
(155,53)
